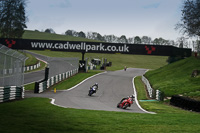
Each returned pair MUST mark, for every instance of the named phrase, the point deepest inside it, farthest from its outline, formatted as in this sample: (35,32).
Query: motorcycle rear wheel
(118,105)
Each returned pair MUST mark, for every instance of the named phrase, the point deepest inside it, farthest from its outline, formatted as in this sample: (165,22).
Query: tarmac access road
(56,66)
(113,86)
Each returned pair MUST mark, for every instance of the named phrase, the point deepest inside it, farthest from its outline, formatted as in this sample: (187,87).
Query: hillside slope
(176,78)
(48,36)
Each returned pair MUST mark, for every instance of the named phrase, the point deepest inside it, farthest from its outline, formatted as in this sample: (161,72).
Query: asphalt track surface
(56,66)
(113,86)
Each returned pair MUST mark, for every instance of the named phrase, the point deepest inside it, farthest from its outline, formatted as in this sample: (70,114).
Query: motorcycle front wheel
(126,105)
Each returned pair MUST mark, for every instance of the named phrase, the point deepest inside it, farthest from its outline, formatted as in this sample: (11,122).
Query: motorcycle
(92,91)
(126,102)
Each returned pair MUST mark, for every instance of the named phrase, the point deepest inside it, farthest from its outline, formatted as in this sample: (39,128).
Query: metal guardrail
(53,80)
(154,94)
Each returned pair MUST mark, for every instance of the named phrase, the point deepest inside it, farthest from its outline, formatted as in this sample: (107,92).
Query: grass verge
(69,82)
(176,78)
(31,60)
(74,80)
(38,115)
(118,60)
(41,116)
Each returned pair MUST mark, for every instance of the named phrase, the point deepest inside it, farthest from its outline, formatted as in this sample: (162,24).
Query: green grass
(176,78)
(155,106)
(118,60)
(74,80)
(47,36)
(38,115)
(30,86)
(41,116)
(31,60)
(141,93)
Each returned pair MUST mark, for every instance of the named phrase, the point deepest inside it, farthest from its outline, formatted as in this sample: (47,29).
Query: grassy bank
(176,78)
(118,60)
(41,116)
(38,115)
(46,36)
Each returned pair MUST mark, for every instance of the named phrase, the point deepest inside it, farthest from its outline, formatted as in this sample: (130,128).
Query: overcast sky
(153,18)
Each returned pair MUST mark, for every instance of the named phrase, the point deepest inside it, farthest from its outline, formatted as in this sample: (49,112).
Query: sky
(153,18)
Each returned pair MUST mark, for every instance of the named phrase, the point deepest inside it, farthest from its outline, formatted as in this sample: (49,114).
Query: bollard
(54,90)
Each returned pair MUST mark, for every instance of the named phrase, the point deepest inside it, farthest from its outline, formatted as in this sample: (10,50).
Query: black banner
(95,47)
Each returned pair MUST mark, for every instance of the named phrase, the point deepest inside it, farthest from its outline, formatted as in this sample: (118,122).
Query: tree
(71,33)
(137,40)
(130,40)
(81,34)
(50,30)
(12,18)
(111,38)
(99,37)
(190,18)
(183,43)
(146,40)
(95,36)
(123,39)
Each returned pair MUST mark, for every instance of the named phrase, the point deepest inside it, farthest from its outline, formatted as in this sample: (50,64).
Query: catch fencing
(11,74)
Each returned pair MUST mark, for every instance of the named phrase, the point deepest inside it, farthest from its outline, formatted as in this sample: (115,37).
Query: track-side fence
(53,80)
(154,94)
(11,74)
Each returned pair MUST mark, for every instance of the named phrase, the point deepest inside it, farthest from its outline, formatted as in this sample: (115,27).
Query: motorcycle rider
(132,96)
(94,87)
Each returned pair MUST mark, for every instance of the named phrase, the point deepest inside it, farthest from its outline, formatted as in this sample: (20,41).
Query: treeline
(181,42)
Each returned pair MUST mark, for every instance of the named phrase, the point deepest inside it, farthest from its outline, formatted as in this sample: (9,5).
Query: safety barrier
(185,103)
(11,93)
(30,68)
(55,79)
(154,94)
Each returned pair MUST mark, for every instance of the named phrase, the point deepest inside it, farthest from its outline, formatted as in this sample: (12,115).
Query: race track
(56,66)
(113,86)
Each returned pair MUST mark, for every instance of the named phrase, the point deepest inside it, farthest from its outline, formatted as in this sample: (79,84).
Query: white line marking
(83,81)
(53,100)
(137,100)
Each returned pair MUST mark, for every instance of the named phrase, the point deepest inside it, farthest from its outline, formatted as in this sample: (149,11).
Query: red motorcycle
(126,102)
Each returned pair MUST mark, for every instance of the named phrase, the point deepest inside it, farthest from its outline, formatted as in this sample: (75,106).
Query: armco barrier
(185,103)
(29,68)
(11,93)
(154,94)
(55,79)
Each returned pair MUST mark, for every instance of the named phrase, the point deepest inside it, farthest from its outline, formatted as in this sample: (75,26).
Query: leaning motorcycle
(92,91)
(126,102)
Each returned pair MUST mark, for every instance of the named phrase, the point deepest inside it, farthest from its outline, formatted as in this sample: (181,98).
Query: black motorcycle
(92,91)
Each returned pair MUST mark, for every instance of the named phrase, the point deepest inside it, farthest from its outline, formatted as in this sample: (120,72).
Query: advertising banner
(95,47)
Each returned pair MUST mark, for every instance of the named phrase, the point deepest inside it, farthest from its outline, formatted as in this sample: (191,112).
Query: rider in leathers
(95,87)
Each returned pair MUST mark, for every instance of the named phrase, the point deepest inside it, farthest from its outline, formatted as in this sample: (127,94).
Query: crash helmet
(96,84)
